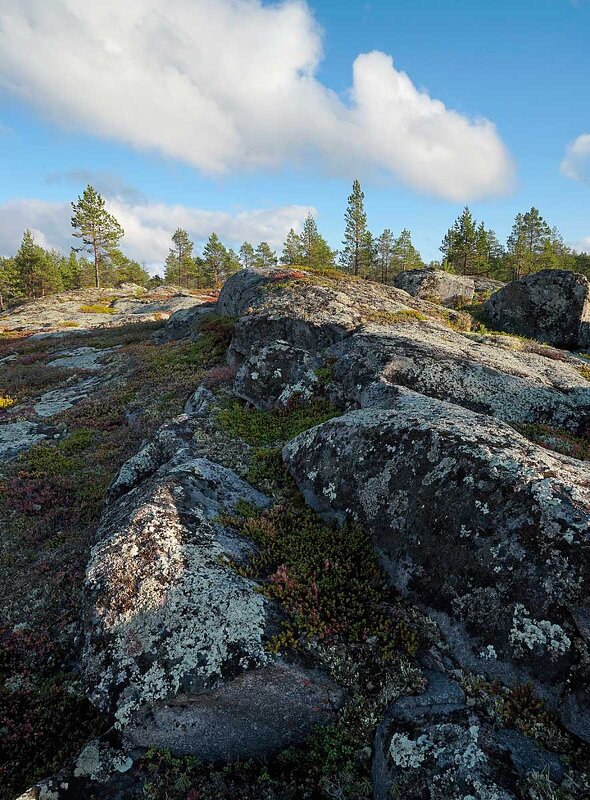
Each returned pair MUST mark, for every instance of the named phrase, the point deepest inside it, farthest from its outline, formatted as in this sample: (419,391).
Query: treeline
(468,247)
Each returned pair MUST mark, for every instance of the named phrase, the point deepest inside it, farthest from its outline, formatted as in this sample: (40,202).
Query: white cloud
(583,246)
(148,226)
(231,84)
(576,164)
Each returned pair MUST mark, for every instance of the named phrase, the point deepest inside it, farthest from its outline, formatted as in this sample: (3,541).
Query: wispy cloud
(576,163)
(229,85)
(148,225)
(104,182)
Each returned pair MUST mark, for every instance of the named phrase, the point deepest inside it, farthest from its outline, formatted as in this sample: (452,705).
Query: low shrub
(266,427)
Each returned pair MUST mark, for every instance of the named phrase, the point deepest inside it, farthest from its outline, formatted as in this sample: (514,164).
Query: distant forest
(468,248)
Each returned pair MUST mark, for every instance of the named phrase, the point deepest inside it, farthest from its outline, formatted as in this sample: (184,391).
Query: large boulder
(483,375)
(310,312)
(552,305)
(485,529)
(435,284)
(175,637)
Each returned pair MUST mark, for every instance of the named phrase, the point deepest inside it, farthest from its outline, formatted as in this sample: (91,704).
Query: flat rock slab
(86,358)
(18,436)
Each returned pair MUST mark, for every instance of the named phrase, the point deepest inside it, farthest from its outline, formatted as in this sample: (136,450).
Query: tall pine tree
(97,229)
(353,253)
(179,267)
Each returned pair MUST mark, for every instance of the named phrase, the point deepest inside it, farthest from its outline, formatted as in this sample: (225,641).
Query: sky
(240,116)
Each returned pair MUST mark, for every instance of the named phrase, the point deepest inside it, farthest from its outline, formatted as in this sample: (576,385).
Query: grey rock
(276,374)
(21,435)
(199,402)
(433,746)
(552,306)
(170,625)
(445,287)
(496,378)
(473,522)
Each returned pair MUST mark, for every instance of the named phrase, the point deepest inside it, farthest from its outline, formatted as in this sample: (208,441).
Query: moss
(584,372)
(68,323)
(97,308)
(380,317)
(267,427)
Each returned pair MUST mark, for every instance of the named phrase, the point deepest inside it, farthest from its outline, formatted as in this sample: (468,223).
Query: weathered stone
(552,305)
(435,284)
(175,636)
(275,374)
(18,436)
(487,376)
(485,529)
(433,746)
(312,313)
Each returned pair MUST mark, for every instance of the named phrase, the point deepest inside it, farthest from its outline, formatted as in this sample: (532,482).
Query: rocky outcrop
(482,374)
(435,284)
(433,745)
(552,306)
(485,529)
(311,312)
(176,638)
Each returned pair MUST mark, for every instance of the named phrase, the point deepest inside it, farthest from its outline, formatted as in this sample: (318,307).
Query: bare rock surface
(175,637)
(496,378)
(484,528)
(552,306)
(433,745)
(428,284)
(21,435)
(105,308)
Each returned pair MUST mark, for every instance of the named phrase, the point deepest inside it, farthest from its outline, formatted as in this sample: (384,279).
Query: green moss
(267,427)
(584,372)
(380,317)
(97,308)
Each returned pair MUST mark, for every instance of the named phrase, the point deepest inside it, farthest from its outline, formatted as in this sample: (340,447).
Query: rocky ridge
(397,419)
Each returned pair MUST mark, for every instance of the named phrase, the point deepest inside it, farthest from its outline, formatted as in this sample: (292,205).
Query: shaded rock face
(445,287)
(509,384)
(434,746)
(552,306)
(485,529)
(277,374)
(175,646)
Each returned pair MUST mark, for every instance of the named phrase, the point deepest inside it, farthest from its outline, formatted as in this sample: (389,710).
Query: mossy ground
(50,503)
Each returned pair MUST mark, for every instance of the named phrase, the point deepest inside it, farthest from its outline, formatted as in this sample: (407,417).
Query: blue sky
(247,119)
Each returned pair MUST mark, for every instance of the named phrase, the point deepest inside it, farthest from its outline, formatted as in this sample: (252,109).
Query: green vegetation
(557,439)
(97,308)
(98,230)
(393,317)
(266,427)
(6,402)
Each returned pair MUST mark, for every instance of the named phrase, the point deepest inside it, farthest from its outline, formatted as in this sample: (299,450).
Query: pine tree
(125,270)
(316,252)
(351,256)
(215,258)
(405,256)
(368,257)
(9,283)
(461,245)
(247,255)
(179,265)
(70,270)
(384,248)
(38,275)
(98,230)
(264,256)
(529,246)
(232,263)
(292,250)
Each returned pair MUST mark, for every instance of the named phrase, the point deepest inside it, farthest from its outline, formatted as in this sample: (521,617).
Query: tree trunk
(96,272)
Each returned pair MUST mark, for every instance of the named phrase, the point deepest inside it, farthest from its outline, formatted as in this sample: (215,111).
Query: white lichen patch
(530,634)
(409,753)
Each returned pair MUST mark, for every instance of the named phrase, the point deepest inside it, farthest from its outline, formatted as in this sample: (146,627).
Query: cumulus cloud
(576,164)
(148,226)
(232,85)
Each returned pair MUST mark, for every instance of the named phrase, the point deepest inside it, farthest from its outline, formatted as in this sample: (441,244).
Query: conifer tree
(355,218)
(97,229)
(405,256)
(247,255)
(292,250)
(265,256)
(38,275)
(215,259)
(316,252)
(461,246)
(384,255)
(179,267)
(9,283)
